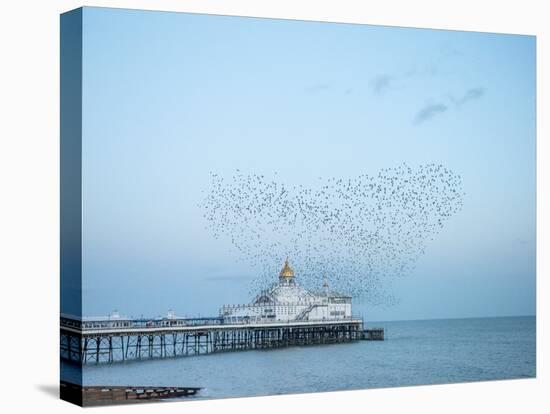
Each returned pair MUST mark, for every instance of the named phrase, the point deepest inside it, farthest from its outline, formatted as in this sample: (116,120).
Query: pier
(92,395)
(87,341)
(373,334)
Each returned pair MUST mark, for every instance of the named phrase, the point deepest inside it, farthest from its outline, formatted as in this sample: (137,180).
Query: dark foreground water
(415,353)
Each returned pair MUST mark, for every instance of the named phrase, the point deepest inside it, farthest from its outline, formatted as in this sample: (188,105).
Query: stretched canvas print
(256,206)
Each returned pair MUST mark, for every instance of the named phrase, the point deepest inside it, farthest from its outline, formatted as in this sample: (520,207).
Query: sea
(414,353)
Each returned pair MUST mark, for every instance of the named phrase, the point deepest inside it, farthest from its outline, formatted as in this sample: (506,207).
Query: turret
(287,274)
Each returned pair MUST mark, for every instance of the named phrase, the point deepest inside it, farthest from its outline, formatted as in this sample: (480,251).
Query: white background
(29,193)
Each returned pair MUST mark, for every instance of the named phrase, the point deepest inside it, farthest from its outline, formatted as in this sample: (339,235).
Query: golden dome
(287,270)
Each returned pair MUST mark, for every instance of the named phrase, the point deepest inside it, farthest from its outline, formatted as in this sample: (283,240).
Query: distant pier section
(284,315)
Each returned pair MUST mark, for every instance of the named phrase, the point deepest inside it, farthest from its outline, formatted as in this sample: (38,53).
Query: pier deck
(88,341)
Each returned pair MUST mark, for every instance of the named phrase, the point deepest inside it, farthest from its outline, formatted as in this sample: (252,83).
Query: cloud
(317,88)
(381,83)
(470,95)
(223,278)
(430,70)
(429,111)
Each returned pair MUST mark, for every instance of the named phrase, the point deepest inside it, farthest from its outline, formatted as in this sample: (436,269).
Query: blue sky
(169,97)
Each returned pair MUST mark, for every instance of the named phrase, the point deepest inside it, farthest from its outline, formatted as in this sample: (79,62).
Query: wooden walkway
(118,394)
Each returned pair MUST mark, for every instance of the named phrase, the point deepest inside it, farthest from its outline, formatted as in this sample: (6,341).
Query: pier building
(287,301)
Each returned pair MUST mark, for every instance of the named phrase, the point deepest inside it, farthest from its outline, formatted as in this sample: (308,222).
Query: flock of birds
(360,234)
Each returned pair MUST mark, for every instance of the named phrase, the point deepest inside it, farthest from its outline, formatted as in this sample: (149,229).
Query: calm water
(416,352)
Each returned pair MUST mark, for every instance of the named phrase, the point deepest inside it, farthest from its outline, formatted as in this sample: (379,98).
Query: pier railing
(86,325)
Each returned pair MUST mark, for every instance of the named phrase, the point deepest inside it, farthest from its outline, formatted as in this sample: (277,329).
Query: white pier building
(287,301)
